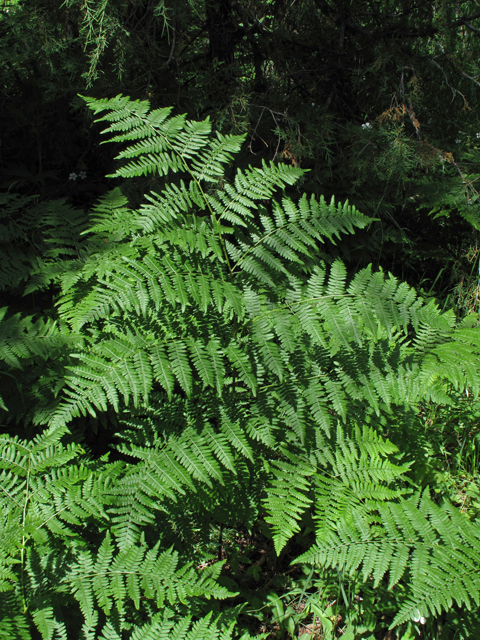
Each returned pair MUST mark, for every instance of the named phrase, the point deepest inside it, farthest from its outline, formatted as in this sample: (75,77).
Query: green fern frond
(137,494)
(235,436)
(362,524)
(56,228)
(457,360)
(287,498)
(137,571)
(22,340)
(163,626)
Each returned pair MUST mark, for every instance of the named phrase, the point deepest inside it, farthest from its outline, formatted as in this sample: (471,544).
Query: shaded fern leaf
(136,572)
(287,498)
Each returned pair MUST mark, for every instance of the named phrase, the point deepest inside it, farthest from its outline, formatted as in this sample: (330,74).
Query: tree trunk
(221,30)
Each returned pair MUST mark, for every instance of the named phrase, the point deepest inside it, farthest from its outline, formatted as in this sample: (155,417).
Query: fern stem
(22,549)
(340,582)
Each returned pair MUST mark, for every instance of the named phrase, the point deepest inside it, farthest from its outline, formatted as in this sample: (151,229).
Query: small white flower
(366,125)
(72,176)
(82,175)
(313,104)
(457,141)
(478,135)
(419,618)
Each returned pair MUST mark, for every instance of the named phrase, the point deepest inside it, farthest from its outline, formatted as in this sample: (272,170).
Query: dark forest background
(379,100)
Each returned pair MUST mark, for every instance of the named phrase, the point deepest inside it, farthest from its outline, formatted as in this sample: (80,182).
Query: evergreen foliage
(240,367)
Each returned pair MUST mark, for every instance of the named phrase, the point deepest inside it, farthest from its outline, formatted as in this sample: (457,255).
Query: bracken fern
(209,325)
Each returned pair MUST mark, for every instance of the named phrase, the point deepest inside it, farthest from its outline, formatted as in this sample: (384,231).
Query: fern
(36,238)
(337,477)
(110,578)
(434,546)
(45,496)
(287,498)
(212,330)
(18,219)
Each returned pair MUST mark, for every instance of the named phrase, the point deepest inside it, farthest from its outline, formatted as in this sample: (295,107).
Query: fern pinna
(235,360)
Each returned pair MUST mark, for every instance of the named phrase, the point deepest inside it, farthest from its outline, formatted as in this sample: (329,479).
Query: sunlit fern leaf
(162,369)
(436,545)
(235,435)
(458,359)
(139,492)
(242,365)
(219,444)
(271,356)
(208,165)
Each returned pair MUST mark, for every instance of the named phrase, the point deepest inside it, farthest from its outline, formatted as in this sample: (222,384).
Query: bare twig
(469,77)
(273,114)
(172,48)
